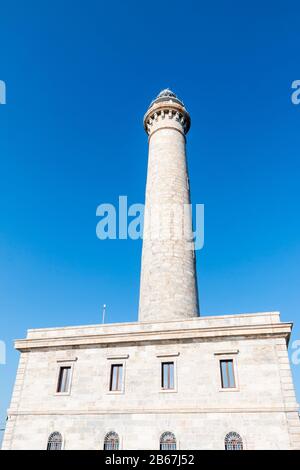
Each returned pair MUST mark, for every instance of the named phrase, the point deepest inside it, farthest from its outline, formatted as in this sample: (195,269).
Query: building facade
(174,379)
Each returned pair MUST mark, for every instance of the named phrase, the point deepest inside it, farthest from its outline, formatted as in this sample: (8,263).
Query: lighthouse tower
(168,288)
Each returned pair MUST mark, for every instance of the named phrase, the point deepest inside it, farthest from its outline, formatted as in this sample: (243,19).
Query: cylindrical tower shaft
(168,289)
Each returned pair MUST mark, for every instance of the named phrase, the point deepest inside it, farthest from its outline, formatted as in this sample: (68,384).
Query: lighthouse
(168,285)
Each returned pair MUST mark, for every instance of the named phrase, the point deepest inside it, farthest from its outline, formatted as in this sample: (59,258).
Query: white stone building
(173,379)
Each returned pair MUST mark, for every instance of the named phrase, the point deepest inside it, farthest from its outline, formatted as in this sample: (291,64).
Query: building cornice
(156,335)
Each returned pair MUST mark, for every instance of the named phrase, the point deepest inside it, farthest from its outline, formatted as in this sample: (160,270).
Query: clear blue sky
(79,77)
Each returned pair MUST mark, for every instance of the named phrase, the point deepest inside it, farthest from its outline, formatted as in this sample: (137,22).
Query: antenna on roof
(103,313)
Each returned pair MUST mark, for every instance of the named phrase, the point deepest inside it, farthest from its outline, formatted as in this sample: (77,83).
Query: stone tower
(168,289)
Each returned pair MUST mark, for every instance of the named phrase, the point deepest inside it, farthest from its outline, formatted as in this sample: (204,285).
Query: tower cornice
(167,110)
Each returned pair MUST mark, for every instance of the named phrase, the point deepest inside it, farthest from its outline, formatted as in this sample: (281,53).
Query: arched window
(167,441)
(54,441)
(233,441)
(111,441)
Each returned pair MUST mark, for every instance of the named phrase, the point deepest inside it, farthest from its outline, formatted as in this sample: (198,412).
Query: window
(111,441)
(54,441)
(233,441)
(227,373)
(64,379)
(116,377)
(167,441)
(167,375)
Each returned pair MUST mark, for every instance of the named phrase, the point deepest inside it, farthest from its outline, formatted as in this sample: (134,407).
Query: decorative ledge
(168,354)
(117,356)
(67,359)
(228,351)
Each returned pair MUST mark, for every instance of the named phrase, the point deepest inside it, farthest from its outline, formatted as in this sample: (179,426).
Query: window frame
(119,438)
(165,358)
(239,436)
(227,356)
(170,379)
(60,365)
(115,361)
(176,440)
(119,377)
(62,440)
(227,375)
